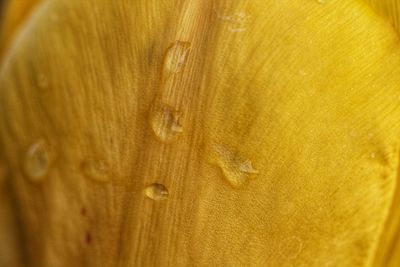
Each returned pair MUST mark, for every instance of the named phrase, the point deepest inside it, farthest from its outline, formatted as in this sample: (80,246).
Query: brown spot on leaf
(88,238)
(83,211)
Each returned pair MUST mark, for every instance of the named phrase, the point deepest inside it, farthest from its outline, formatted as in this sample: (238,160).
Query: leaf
(305,93)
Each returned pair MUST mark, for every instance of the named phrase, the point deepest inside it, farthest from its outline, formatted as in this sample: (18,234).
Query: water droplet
(96,170)
(234,17)
(354,133)
(236,169)
(236,29)
(291,247)
(302,73)
(372,155)
(176,57)
(43,82)
(247,167)
(38,160)
(236,20)
(165,122)
(156,192)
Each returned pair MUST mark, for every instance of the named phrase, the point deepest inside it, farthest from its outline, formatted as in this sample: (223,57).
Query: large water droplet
(176,57)
(37,160)
(165,122)
(156,191)
(236,169)
(96,170)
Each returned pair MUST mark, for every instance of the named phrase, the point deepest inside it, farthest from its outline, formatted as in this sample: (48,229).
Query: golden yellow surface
(14,14)
(390,9)
(204,133)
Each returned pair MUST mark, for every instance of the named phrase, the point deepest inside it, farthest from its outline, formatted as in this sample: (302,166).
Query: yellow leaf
(203,133)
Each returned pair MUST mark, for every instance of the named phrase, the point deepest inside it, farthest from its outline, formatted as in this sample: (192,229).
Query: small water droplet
(236,169)
(43,82)
(230,17)
(96,170)
(237,20)
(302,73)
(38,160)
(291,247)
(176,57)
(372,155)
(156,191)
(165,122)
(247,167)
(354,133)
(236,29)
